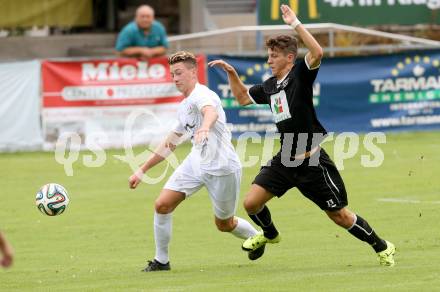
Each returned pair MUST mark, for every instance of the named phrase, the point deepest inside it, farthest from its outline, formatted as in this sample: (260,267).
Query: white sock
(162,236)
(244,229)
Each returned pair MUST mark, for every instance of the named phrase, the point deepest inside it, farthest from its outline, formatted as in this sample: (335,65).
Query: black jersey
(291,103)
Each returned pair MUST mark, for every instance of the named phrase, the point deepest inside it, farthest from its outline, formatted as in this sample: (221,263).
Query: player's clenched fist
(135,179)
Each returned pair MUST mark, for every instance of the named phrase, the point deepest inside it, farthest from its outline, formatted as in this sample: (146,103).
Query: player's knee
(341,218)
(224,225)
(162,207)
(251,206)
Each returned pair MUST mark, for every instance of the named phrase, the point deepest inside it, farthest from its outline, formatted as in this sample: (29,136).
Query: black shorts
(322,183)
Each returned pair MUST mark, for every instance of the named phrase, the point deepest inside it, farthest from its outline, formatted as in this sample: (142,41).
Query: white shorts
(224,191)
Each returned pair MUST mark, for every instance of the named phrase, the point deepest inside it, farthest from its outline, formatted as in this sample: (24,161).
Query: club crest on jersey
(279,106)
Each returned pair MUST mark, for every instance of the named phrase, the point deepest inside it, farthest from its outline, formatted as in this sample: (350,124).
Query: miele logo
(109,71)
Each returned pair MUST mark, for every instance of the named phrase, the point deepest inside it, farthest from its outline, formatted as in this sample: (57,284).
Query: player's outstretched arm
(6,252)
(239,90)
(315,53)
(161,153)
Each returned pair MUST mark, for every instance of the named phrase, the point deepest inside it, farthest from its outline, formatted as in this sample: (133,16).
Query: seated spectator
(144,37)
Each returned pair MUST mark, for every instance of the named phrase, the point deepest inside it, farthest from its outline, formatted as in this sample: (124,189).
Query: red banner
(110,82)
(95,98)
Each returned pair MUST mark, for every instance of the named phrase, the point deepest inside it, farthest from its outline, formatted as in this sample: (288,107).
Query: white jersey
(217,156)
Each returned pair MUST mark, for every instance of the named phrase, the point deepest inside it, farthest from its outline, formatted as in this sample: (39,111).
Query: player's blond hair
(183,57)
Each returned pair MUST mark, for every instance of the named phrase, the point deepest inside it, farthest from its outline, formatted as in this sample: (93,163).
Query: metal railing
(404,42)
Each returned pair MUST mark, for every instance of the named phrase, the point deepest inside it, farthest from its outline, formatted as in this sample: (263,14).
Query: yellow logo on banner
(294,4)
(258,69)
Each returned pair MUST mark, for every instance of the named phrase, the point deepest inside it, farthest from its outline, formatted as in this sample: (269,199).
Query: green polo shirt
(132,36)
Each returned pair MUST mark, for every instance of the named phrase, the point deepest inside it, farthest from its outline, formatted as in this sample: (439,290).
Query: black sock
(264,220)
(363,231)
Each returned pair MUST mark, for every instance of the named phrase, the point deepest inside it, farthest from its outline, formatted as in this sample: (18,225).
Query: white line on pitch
(406,201)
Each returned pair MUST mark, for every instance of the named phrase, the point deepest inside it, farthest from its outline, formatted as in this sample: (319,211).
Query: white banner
(20,127)
(108,127)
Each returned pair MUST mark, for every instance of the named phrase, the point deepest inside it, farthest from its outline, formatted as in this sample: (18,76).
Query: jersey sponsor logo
(279,106)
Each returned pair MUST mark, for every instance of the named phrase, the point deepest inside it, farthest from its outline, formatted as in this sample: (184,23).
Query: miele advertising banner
(101,100)
(398,92)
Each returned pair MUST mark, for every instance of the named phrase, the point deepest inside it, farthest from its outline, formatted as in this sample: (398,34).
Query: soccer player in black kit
(301,162)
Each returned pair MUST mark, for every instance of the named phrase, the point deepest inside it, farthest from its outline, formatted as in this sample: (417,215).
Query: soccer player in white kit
(212,162)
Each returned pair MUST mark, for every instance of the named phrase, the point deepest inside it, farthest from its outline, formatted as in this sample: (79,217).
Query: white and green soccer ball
(52,199)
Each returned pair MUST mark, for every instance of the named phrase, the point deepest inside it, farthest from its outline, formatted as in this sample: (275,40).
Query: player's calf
(342,217)
(359,228)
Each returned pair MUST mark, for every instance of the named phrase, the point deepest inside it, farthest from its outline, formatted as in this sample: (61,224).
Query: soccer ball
(52,199)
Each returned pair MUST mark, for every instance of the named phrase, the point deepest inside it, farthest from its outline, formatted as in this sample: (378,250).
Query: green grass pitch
(105,237)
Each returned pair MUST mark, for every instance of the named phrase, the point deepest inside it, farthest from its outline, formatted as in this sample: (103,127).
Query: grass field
(105,237)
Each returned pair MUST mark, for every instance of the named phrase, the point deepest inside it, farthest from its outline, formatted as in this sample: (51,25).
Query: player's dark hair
(284,43)
(183,57)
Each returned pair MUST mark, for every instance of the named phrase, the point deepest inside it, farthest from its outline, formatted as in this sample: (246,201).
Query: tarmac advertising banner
(353,12)
(103,101)
(360,94)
